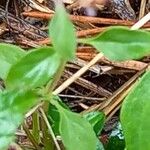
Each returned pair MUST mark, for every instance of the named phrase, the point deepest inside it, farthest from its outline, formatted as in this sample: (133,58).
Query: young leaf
(54,115)
(13,105)
(35,69)
(97,120)
(75,130)
(9,55)
(54,118)
(120,43)
(135,114)
(62,33)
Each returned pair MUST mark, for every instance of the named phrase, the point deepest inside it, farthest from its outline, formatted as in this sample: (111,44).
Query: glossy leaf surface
(13,106)
(75,130)
(54,115)
(120,43)
(97,120)
(35,69)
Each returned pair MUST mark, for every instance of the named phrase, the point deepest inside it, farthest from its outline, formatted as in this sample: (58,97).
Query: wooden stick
(77,74)
(83,19)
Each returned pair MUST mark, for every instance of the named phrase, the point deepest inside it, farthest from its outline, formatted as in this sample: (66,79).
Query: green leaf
(62,33)
(99,145)
(75,131)
(115,144)
(135,114)
(97,120)
(9,55)
(120,43)
(116,139)
(13,106)
(54,114)
(54,118)
(35,69)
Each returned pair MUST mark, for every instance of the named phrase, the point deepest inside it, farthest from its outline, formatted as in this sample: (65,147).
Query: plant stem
(50,129)
(77,74)
(36,127)
(47,138)
(31,137)
(51,85)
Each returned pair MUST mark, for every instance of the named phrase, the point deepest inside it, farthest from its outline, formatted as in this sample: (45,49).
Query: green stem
(47,139)
(50,129)
(51,85)
(36,127)
(83,40)
(31,137)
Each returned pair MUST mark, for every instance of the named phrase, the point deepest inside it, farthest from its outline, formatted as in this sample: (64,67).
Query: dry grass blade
(142,8)
(36,5)
(89,85)
(50,129)
(78,74)
(111,103)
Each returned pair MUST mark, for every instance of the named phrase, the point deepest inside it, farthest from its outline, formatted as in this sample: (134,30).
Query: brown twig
(20,26)
(83,33)
(95,20)
(142,9)
(109,105)
(89,85)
